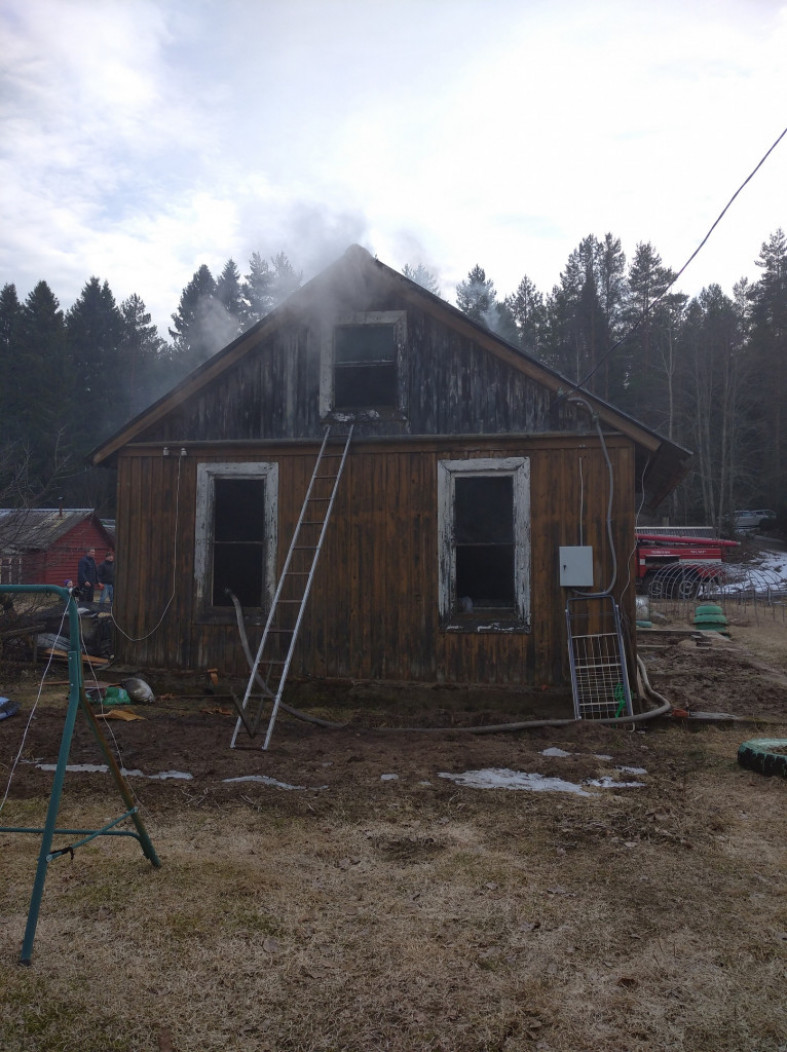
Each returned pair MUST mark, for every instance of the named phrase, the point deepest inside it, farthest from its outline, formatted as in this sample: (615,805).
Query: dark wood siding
(453,385)
(373,613)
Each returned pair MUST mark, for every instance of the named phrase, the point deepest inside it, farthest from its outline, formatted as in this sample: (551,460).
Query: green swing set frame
(77,702)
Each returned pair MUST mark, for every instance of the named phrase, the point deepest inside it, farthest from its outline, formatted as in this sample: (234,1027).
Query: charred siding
(453,386)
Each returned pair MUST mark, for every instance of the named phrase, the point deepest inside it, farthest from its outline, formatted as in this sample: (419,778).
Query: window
(484,524)
(235,535)
(362,364)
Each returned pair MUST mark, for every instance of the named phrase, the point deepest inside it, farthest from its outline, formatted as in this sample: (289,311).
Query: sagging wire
(18,756)
(652,306)
(147,635)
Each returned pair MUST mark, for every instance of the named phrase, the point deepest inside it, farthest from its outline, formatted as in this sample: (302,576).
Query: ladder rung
(272,677)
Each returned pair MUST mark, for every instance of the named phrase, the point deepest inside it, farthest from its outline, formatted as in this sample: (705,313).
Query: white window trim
(447,473)
(397,318)
(203,522)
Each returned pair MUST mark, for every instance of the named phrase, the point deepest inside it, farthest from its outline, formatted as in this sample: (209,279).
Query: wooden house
(470,467)
(44,545)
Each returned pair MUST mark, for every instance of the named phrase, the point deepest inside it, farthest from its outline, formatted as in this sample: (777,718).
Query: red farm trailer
(683,561)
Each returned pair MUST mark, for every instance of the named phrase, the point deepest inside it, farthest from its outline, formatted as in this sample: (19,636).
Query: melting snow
(265,780)
(610,783)
(90,768)
(554,752)
(500,778)
(102,768)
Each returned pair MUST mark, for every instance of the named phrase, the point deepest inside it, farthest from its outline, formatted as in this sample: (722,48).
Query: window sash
(362,363)
(216,555)
(486,560)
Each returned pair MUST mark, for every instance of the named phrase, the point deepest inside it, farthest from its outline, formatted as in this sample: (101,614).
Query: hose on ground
(662,709)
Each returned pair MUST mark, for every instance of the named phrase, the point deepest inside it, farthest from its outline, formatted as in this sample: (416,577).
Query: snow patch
(501,778)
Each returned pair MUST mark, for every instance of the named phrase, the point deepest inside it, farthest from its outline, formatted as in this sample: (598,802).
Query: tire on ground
(765,755)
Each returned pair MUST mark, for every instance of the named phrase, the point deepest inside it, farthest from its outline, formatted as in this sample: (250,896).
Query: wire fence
(748,589)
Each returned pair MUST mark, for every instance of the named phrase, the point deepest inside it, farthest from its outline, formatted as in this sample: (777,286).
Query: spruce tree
(94,331)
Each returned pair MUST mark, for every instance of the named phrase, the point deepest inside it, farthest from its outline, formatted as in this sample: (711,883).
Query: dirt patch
(339,892)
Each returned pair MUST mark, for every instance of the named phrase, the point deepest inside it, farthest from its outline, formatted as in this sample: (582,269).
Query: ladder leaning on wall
(274,654)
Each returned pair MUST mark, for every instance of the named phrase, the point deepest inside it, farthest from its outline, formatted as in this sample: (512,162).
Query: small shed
(471,466)
(44,545)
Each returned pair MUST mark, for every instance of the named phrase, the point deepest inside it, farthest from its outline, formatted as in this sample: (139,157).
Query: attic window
(363,365)
(235,536)
(484,524)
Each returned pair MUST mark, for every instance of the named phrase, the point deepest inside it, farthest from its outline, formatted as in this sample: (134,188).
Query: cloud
(145,137)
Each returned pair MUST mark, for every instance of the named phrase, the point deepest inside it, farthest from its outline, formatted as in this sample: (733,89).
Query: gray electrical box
(576,567)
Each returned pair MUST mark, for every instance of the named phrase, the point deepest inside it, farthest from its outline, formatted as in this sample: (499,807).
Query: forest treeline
(708,372)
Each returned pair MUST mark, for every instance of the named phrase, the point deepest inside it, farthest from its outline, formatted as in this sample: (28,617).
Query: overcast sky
(142,138)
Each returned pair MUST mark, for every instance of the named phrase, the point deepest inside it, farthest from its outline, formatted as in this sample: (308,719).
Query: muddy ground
(345,895)
(402,729)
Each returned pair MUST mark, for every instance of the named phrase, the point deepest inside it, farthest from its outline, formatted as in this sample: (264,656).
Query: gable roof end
(661,464)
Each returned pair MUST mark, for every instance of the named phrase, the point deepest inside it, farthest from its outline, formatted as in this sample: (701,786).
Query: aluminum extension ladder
(274,654)
(597,655)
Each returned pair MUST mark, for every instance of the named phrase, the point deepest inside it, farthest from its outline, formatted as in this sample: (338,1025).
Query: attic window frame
(397,406)
(207,474)
(481,619)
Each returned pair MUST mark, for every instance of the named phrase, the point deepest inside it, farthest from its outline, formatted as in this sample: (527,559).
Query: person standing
(106,578)
(87,575)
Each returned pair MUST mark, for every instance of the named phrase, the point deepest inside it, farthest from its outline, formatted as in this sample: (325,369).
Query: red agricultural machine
(679,563)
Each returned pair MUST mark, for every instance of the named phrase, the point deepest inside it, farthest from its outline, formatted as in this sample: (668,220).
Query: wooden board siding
(452,386)
(60,561)
(373,613)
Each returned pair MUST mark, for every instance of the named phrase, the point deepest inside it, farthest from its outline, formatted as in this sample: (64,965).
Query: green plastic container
(709,617)
(116,696)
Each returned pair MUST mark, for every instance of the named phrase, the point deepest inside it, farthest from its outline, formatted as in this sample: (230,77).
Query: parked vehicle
(754,519)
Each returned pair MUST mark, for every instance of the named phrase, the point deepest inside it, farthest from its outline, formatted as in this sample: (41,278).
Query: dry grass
(415,914)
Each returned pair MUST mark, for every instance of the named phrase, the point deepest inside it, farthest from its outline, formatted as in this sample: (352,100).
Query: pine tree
(230,296)
(201,324)
(94,331)
(42,388)
(527,309)
(476,296)
(423,277)
(769,349)
(142,359)
(257,300)
(10,324)
(285,279)
(650,347)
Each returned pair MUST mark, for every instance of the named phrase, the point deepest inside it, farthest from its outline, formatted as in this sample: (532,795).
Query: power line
(651,306)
